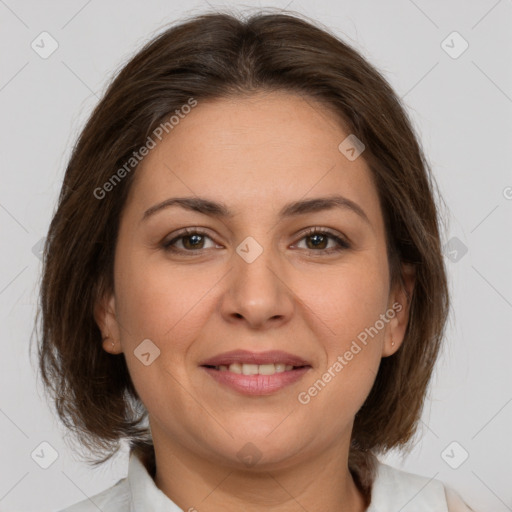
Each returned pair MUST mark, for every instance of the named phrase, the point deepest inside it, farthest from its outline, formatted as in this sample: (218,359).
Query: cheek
(156,301)
(161,300)
(353,351)
(350,311)
(347,299)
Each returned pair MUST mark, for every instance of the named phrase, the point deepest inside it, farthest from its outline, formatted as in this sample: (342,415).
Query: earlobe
(392,340)
(401,301)
(105,316)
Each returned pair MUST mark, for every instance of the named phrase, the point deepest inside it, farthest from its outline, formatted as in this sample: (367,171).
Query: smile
(252,379)
(255,369)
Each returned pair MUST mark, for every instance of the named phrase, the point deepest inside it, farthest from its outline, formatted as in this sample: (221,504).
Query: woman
(246,254)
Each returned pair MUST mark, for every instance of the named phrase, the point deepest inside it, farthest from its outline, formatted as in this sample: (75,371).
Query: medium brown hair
(213,56)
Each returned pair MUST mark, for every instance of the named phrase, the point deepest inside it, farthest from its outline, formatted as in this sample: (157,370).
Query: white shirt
(392,490)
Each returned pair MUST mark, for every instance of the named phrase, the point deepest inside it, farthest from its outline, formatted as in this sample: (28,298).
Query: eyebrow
(220,210)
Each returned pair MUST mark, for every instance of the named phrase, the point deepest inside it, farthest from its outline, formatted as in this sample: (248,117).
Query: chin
(260,452)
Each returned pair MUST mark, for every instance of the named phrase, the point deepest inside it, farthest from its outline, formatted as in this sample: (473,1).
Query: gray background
(462,109)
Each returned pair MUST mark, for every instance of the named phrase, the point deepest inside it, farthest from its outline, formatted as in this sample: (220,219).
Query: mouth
(252,373)
(255,369)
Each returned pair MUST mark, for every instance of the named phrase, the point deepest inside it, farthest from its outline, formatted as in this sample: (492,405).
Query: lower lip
(257,384)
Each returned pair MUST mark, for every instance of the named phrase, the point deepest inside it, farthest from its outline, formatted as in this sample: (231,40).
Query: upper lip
(245,356)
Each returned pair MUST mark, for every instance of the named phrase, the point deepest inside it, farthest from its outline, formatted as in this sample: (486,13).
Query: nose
(257,292)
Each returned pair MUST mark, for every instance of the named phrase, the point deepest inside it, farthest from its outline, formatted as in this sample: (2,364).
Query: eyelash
(342,244)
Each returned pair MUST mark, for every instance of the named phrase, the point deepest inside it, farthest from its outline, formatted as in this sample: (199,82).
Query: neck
(321,483)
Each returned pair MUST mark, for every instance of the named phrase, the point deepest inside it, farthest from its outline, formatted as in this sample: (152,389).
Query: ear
(399,302)
(105,316)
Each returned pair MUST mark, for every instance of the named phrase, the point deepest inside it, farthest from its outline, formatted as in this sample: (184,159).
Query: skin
(255,154)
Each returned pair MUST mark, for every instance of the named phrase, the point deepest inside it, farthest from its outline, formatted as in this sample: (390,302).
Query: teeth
(255,369)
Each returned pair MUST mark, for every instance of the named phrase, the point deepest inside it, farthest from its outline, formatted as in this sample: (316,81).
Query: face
(254,279)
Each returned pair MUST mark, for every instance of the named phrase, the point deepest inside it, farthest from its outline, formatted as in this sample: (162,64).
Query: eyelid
(343,243)
(181,233)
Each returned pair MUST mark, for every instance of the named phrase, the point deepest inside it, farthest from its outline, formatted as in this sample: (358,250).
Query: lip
(246,356)
(257,384)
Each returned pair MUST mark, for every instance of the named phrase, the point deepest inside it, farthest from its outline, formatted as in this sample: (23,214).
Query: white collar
(391,488)
(144,490)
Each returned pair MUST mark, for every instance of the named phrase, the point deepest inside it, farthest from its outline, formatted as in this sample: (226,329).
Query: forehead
(260,151)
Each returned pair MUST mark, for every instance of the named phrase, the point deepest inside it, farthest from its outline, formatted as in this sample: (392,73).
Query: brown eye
(318,240)
(192,240)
